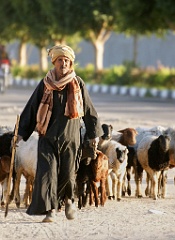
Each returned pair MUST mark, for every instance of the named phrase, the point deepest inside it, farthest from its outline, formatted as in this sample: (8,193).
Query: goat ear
(111,127)
(161,137)
(123,131)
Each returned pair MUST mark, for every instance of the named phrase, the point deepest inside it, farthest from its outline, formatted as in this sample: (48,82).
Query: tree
(7,20)
(94,19)
(145,17)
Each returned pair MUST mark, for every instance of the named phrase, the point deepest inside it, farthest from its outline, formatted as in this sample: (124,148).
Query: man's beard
(64,71)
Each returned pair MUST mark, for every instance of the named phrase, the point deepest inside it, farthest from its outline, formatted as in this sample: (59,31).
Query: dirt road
(131,218)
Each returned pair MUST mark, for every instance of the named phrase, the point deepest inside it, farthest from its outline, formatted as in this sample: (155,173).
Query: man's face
(62,65)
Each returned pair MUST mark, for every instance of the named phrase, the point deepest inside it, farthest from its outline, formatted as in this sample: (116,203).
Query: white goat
(26,163)
(117,157)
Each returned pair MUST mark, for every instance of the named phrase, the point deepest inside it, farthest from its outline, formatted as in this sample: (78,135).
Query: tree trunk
(98,43)
(99,52)
(43,59)
(135,49)
(22,54)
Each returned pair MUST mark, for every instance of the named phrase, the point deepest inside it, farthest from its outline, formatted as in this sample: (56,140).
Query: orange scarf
(74,104)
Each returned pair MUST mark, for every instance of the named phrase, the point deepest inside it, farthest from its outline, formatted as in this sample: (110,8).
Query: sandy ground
(131,218)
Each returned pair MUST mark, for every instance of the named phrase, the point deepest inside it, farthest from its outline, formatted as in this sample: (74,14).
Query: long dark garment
(59,151)
(55,176)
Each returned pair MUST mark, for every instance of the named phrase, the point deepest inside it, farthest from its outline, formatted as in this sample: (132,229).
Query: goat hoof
(129,192)
(111,197)
(17,205)
(118,199)
(146,192)
(123,193)
(139,196)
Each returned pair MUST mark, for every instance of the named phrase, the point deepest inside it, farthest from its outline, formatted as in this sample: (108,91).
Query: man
(55,110)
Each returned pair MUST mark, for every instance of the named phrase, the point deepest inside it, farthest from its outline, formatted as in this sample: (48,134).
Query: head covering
(61,50)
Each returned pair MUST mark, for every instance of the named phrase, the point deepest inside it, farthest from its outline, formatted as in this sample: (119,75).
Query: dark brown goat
(5,162)
(4,167)
(100,173)
(5,151)
(91,172)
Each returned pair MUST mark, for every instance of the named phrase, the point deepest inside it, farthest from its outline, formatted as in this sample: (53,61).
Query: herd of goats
(104,173)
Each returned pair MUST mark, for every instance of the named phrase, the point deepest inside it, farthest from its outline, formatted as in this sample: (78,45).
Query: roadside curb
(110,89)
(132,91)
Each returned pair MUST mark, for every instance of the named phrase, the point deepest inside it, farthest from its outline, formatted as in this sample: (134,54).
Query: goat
(153,155)
(5,153)
(90,173)
(126,137)
(117,157)
(5,162)
(25,164)
(93,169)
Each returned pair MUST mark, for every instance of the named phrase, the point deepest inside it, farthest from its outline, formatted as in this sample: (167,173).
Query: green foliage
(27,72)
(87,74)
(122,75)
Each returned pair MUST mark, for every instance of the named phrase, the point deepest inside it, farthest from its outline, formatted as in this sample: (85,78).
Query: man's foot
(70,209)
(49,216)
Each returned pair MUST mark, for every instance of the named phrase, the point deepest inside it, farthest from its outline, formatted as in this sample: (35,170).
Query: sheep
(171,132)
(153,156)
(131,164)
(107,132)
(126,137)
(4,129)
(25,164)
(143,132)
(117,157)
(155,131)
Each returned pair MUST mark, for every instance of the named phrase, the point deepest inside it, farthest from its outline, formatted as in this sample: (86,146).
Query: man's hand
(94,142)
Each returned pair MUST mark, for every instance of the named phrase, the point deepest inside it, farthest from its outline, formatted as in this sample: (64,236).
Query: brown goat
(4,173)
(4,167)
(91,173)
(128,139)
(100,173)
(5,151)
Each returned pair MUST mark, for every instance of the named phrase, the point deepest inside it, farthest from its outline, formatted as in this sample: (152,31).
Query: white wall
(118,48)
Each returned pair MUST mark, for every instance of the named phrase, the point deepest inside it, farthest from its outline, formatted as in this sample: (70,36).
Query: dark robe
(59,151)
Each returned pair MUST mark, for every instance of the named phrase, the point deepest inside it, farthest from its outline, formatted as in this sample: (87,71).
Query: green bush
(123,75)
(87,74)
(27,72)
